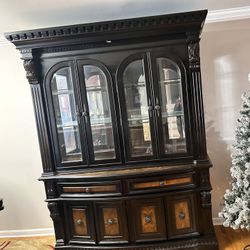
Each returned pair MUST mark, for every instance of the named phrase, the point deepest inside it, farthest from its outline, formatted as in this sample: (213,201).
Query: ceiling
(30,14)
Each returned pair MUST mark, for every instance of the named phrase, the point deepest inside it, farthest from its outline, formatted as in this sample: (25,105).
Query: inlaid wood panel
(112,222)
(80,222)
(162,183)
(181,215)
(90,189)
(148,219)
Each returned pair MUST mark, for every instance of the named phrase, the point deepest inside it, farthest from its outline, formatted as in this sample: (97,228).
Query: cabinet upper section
(117,92)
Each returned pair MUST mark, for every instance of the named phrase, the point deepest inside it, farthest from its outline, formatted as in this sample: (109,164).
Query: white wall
(20,163)
(225,67)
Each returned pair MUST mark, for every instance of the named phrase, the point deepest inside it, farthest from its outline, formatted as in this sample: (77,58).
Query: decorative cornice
(173,23)
(213,16)
(232,14)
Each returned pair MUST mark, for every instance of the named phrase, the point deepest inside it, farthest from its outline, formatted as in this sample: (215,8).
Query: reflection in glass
(65,114)
(137,109)
(99,112)
(169,79)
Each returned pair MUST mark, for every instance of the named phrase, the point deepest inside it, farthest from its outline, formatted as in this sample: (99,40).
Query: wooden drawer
(112,222)
(90,188)
(181,216)
(148,220)
(80,223)
(161,182)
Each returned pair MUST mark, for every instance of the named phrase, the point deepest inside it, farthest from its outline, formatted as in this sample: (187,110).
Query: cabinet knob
(148,219)
(111,221)
(79,222)
(157,107)
(162,183)
(85,113)
(79,114)
(87,190)
(181,216)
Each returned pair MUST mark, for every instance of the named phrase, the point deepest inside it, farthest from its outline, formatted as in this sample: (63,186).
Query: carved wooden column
(31,68)
(56,216)
(196,90)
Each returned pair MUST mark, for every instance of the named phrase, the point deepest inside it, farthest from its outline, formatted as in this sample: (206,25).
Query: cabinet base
(208,243)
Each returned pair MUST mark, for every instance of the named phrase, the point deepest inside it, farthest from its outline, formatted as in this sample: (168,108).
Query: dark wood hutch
(120,121)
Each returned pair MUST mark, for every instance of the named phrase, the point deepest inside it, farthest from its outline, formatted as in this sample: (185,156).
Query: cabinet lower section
(168,211)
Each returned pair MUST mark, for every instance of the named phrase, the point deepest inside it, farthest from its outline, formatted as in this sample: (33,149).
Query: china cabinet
(119,113)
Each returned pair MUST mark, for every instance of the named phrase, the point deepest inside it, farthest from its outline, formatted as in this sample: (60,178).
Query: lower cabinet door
(148,220)
(111,222)
(181,216)
(81,223)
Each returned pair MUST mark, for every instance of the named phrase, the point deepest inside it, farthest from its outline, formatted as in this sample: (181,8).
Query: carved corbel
(58,224)
(31,72)
(193,50)
(50,189)
(30,65)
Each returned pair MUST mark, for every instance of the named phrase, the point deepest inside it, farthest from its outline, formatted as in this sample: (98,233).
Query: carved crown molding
(176,21)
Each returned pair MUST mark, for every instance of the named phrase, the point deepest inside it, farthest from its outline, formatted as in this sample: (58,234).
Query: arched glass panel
(136,102)
(65,115)
(99,112)
(173,122)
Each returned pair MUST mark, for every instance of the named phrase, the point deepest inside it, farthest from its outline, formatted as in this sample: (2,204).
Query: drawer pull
(148,219)
(162,183)
(111,221)
(181,216)
(79,222)
(87,190)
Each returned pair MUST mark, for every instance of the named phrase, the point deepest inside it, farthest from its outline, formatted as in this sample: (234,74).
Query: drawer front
(152,184)
(90,189)
(81,223)
(112,222)
(181,216)
(148,219)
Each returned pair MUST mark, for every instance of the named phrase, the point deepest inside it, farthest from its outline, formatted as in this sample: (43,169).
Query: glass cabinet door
(64,106)
(98,113)
(171,106)
(137,110)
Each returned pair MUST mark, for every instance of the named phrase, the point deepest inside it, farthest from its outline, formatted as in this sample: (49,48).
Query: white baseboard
(27,232)
(218,221)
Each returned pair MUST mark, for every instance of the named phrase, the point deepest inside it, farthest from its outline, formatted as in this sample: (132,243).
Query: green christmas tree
(236,210)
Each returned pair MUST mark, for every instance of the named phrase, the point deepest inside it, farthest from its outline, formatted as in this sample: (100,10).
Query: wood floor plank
(228,238)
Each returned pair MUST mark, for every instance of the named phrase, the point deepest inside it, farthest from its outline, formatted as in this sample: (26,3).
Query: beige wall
(225,66)
(225,60)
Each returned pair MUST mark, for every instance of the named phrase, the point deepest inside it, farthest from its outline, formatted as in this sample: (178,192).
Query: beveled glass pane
(65,114)
(173,124)
(99,112)
(137,109)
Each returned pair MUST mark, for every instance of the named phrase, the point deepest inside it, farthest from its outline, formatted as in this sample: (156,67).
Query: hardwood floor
(229,239)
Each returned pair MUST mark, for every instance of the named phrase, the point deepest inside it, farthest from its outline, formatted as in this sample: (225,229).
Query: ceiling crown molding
(228,14)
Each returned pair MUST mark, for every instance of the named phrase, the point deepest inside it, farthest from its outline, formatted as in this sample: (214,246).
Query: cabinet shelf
(171,81)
